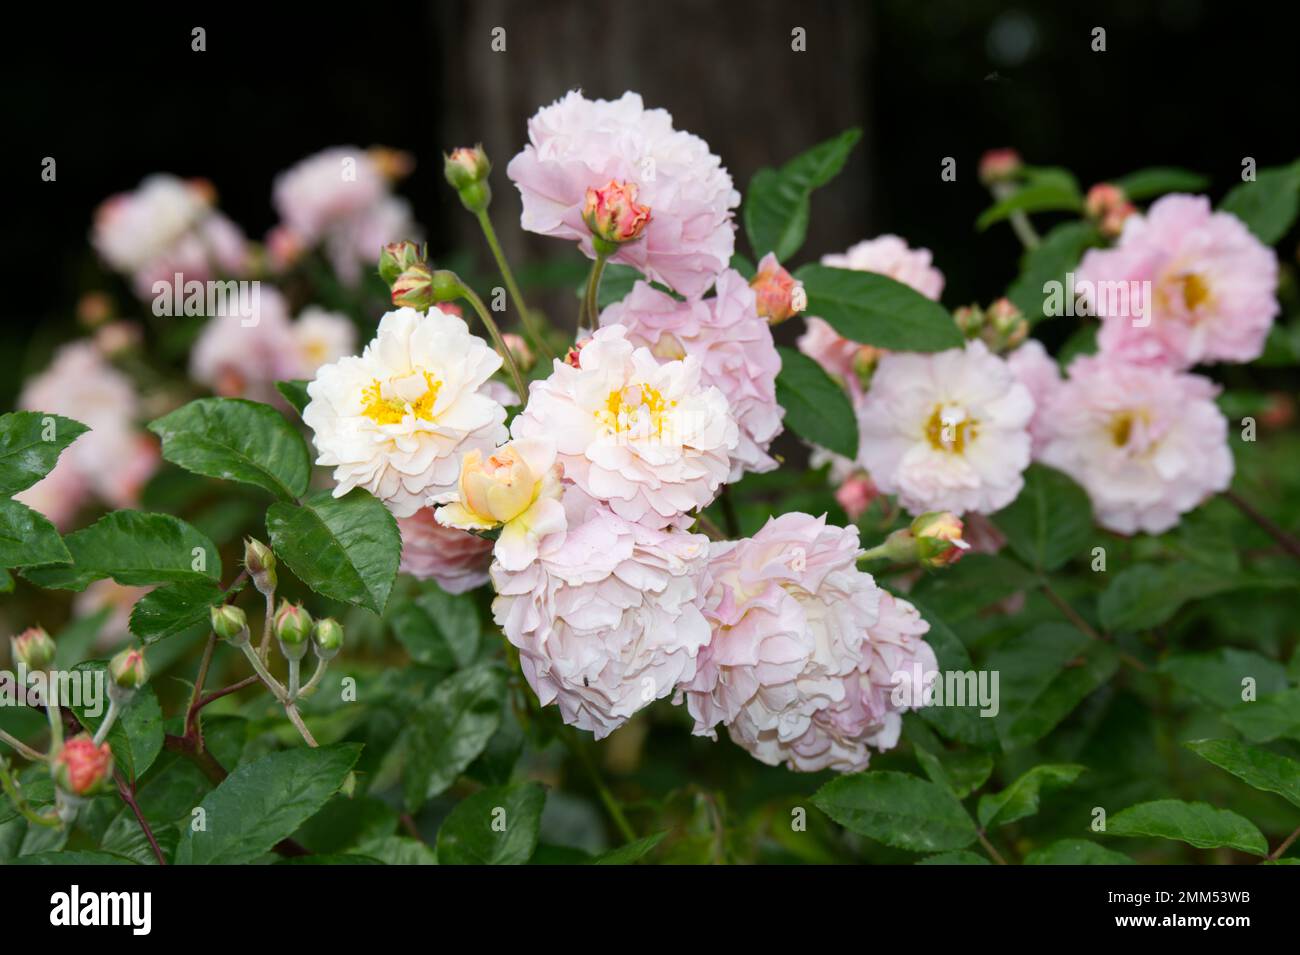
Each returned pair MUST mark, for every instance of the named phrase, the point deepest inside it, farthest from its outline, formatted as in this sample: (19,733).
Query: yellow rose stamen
(383,410)
(625,409)
(951,431)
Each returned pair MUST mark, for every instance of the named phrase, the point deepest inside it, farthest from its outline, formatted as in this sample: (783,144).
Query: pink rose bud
(519,350)
(33,648)
(999,165)
(1108,206)
(117,338)
(613,214)
(414,288)
(938,539)
(259,561)
(396,257)
(865,360)
(81,767)
(571,357)
(284,248)
(94,308)
(204,189)
(292,626)
(129,669)
(778,295)
(1007,323)
(466,166)
(856,494)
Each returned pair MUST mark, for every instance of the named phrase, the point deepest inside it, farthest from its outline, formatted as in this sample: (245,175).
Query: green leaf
(236,440)
(135,549)
(1158,180)
(1217,677)
(876,310)
(630,853)
(960,857)
(1020,799)
(495,826)
(1044,674)
(30,445)
(961,723)
(1058,253)
(1258,767)
(1045,190)
(174,609)
(899,810)
(1268,717)
(816,408)
(73,857)
(778,201)
(346,547)
(264,801)
(960,772)
(1146,595)
(439,629)
(1076,852)
(1049,522)
(1269,205)
(1196,823)
(137,734)
(295,392)
(27,538)
(450,730)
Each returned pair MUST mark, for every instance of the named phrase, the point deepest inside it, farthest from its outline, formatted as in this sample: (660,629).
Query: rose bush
(1030,601)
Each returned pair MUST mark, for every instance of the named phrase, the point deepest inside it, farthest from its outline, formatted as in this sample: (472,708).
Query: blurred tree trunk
(726,71)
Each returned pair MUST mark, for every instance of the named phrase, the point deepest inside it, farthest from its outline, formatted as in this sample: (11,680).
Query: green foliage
(778,202)
(898,810)
(876,310)
(816,408)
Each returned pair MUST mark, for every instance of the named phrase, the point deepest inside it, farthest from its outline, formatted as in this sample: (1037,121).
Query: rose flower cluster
(584,511)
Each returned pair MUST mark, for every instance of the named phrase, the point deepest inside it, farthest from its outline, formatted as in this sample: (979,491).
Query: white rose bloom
(647,438)
(946,431)
(397,419)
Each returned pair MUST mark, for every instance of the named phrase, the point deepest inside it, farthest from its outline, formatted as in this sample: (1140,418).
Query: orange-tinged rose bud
(778,295)
(999,165)
(938,539)
(613,215)
(856,494)
(465,166)
(393,164)
(571,357)
(81,767)
(499,488)
(1108,206)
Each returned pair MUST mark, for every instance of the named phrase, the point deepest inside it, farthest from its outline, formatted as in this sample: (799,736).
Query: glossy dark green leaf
(899,810)
(777,203)
(1196,823)
(450,730)
(495,826)
(1049,522)
(27,538)
(876,310)
(30,445)
(175,608)
(1260,768)
(816,408)
(1020,799)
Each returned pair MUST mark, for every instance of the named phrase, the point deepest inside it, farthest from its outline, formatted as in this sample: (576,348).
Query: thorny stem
(590,312)
(1082,625)
(1288,543)
(472,297)
(988,847)
(196,698)
(1286,844)
(526,317)
(128,797)
(22,748)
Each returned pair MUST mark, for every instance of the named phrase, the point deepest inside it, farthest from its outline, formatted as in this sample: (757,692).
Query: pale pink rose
(1212,292)
(164,227)
(576,144)
(946,431)
(650,438)
(457,560)
(608,618)
(340,198)
(239,360)
(114,458)
(806,649)
(1037,371)
(855,494)
(890,255)
(1147,443)
(734,347)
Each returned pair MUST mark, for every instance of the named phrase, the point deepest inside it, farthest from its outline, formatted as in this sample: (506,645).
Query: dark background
(114,96)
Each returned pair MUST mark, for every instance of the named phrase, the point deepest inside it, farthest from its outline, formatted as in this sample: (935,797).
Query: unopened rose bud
(94,309)
(856,494)
(129,669)
(327,638)
(396,257)
(1007,324)
(33,648)
(497,489)
(938,539)
(614,216)
(571,357)
(293,629)
(414,288)
(259,561)
(999,165)
(117,338)
(778,295)
(466,166)
(865,360)
(519,350)
(284,248)
(1108,207)
(969,318)
(204,189)
(82,768)
(229,623)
